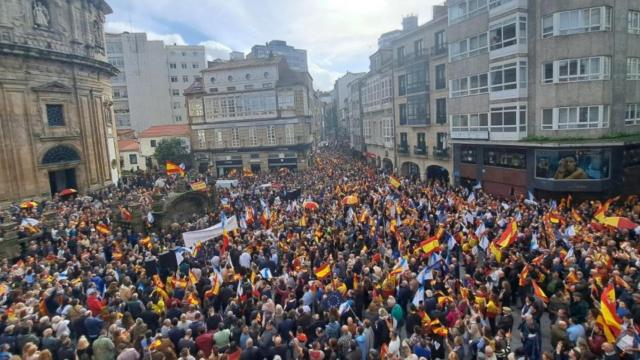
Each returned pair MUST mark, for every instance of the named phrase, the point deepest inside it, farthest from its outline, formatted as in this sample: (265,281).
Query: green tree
(172,150)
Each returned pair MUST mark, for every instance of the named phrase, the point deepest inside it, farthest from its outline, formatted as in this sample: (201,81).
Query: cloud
(168,39)
(338,35)
(215,50)
(323,78)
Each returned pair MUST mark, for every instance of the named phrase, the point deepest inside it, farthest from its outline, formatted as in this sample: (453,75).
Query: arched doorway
(436,172)
(410,170)
(387,164)
(61,162)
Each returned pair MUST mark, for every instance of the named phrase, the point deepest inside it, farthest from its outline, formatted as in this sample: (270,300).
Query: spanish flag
(323,271)
(606,329)
(197,249)
(146,242)
(508,236)
(496,251)
(430,245)
(537,292)
(393,181)
(172,168)
(225,242)
(618,222)
(522,277)
(215,286)
(247,172)
(103,229)
(126,214)
(603,208)
(608,310)
(193,279)
(576,217)
(192,299)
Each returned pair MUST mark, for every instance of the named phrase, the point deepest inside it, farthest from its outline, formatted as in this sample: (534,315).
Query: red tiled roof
(128,145)
(166,130)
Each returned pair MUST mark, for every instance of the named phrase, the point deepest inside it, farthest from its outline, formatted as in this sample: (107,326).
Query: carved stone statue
(98,31)
(40,14)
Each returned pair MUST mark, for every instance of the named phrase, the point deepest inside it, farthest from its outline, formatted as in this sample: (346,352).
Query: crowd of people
(358,265)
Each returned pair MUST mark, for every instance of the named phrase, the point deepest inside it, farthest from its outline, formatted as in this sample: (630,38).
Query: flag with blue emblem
(266,273)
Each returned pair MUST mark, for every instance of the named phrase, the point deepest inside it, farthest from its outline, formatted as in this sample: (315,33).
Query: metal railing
(441,153)
(420,150)
(403,149)
(439,51)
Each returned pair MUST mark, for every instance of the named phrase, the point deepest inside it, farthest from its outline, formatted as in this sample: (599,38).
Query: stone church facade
(56,121)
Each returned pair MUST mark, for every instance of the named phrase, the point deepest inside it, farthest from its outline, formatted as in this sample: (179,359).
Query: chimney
(409,22)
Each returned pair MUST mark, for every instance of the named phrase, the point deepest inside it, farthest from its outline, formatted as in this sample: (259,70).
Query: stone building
(545,95)
(56,127)
(253,114)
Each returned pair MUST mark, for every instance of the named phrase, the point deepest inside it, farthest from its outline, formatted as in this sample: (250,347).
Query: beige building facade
(56,123)
(420,100)
(253,114)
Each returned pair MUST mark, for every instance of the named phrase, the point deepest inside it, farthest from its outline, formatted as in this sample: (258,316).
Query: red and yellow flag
(618,222)
(172,168)
(522,277)
(430,245)
(103,229)
(323,271)
(537,292)
(126,214)
(608,310)
(225,242)
(393,181)
(508,236)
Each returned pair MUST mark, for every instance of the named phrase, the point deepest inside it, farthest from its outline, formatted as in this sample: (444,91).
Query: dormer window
(213,80)
(230,78)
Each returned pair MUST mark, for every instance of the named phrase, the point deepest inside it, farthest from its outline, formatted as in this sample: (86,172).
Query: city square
(470,194)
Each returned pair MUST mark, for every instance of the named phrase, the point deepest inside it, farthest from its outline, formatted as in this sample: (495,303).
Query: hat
(506,309)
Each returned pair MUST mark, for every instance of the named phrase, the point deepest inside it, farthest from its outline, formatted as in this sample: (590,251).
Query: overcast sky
(339,35)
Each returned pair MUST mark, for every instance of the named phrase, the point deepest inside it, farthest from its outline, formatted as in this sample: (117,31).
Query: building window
(417,79)
(466,9)
(633,68)
(577,117)
(418,110)
(153,143)
(235,137)
(402,112)
(366,126)
(176,105)
(178,118)
(231,88)
(248,87)
(470,122)
(568,164)
(253,136)
(441,111)
(184,65)
(116,61)
(508,33)
(417,47)
(185,78)
(473,85)
(247,76)
(439,41)
(60,154)
(509,118)
(577,21)
(245,105)
(195,66)
(229,78)
(184,53)
(572,70)
(441,77)
(509,158)
(219,141)
(634,22)
(402,85)
(133,159)
(505,77)
(266,85)
(174,79)
(213,90)
(290,134)
(400,55)
(175,92)
(468,155)
(55,114)
(632,115)
(212,79)
(271,135)
(387,130)
(469,47)
(266,74)
(441,141)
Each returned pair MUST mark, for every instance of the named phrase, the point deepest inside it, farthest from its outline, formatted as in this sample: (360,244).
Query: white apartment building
(185,64)
(148,89)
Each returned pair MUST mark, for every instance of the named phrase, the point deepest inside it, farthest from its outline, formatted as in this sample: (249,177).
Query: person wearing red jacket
(94,303)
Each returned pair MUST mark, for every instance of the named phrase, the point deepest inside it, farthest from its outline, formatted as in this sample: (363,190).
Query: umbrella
(310,205)
(28,204)
(67,192)
(350,200)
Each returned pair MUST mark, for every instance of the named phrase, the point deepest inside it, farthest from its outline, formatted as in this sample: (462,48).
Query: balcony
(441,153)
(439,51)
(403,149)
(420,150)
(412,58)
